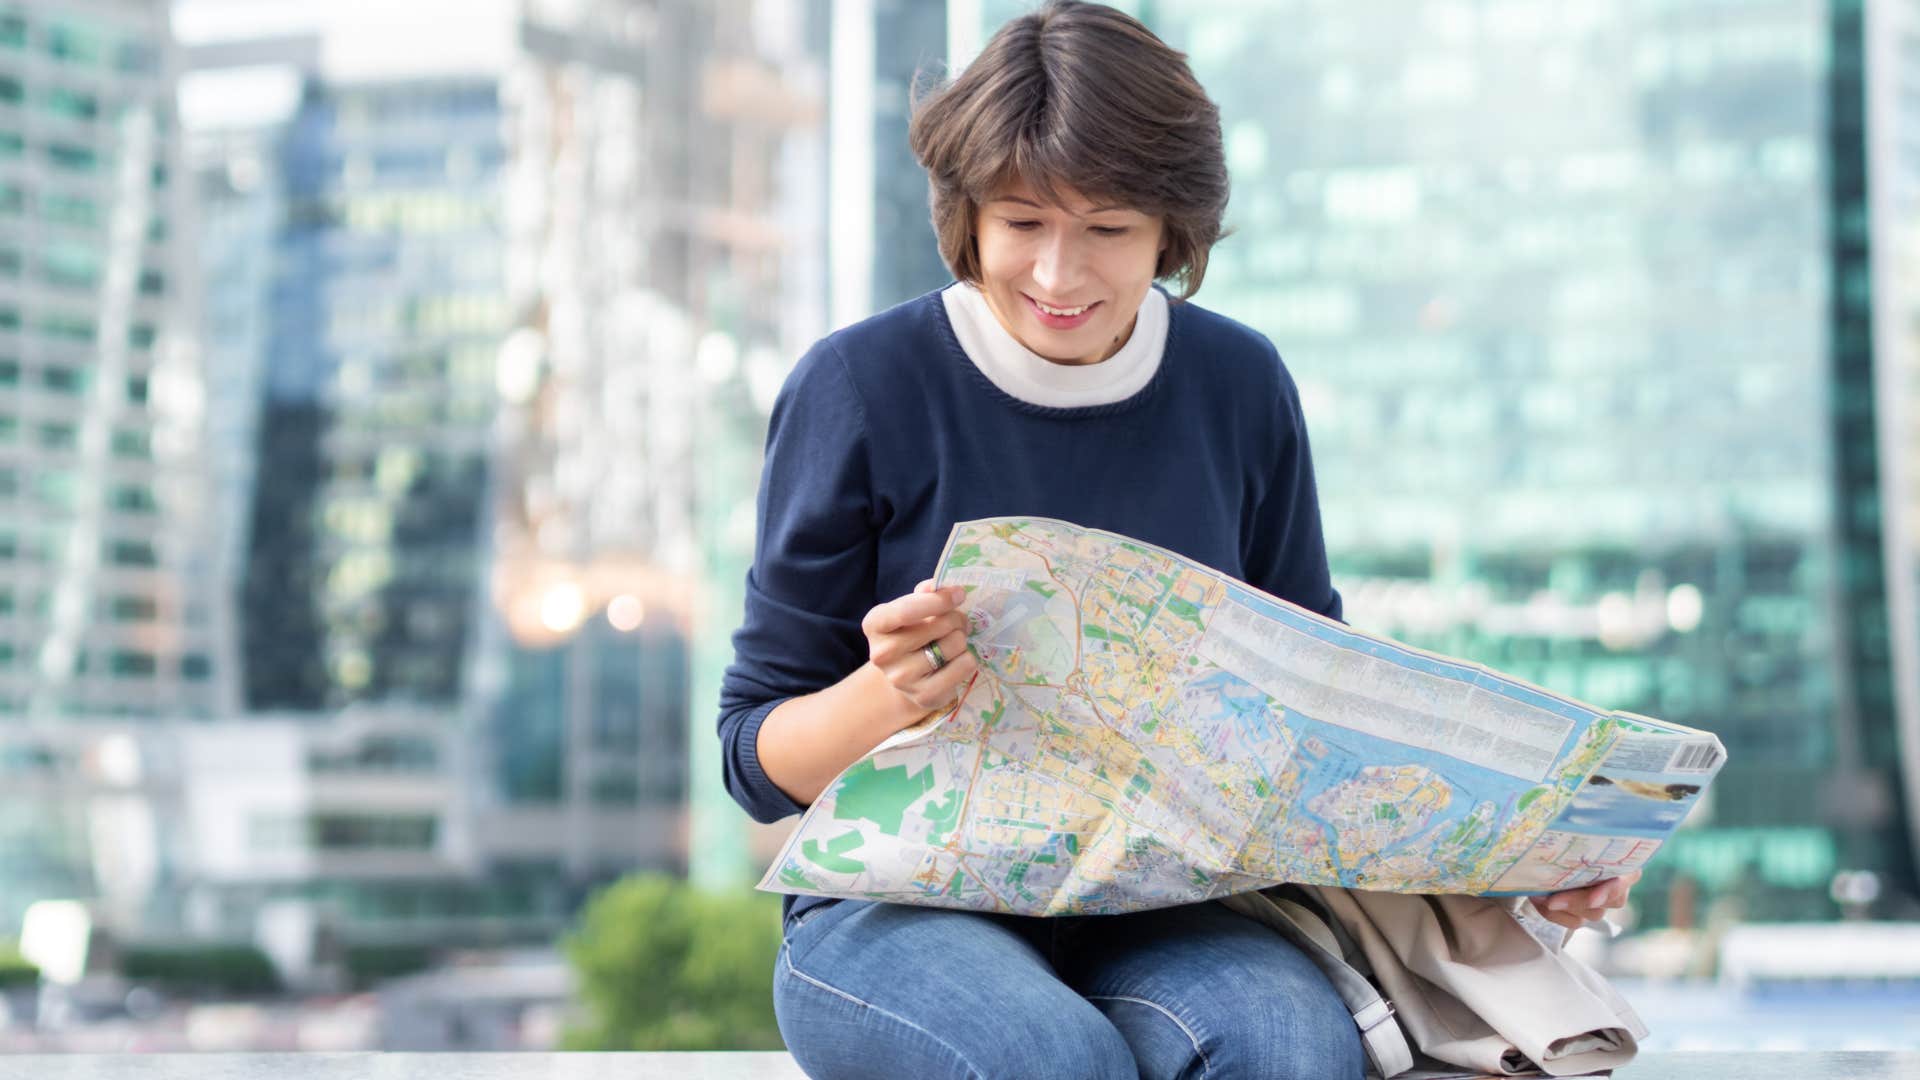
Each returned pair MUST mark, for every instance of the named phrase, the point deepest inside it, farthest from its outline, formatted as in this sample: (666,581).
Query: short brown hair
(1081,95)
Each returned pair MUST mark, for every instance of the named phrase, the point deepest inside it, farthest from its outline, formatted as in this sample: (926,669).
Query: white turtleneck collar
(1034,379)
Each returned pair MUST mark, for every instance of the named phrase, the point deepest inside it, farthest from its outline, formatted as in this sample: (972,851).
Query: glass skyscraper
(913,40)
(109,629)
(1579,300)
(364,552)
(880,244)
(100,569)
(666,191)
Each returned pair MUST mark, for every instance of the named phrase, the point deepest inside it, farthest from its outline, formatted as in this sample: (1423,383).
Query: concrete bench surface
(751,1066)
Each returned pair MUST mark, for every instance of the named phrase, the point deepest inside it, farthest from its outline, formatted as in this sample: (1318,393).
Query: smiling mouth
(1062,312)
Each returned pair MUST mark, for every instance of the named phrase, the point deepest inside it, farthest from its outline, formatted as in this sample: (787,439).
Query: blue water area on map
(1414,661)
(1252,713)
(1349,751)
(1484,784)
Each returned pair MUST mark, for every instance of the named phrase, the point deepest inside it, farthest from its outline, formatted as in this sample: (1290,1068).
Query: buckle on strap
(1375,1014)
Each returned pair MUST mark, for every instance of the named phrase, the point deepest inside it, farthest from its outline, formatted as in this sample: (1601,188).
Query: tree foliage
(15,970)
(212,969)
(665,966)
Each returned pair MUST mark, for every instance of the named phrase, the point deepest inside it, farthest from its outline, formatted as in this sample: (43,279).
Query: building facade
(1580,299)
(106,613)
(98,383)
(365,545)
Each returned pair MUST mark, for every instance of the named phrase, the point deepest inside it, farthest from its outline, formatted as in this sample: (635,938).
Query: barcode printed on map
(1695,757)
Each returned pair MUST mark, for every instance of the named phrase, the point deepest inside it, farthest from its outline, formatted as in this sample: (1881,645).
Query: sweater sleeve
(812,578)
(1286,553)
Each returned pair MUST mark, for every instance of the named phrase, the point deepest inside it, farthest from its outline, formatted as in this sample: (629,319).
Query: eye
(1021,226)
(1110,230)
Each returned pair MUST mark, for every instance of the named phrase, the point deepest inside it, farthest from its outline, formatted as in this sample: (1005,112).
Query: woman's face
(1065,280)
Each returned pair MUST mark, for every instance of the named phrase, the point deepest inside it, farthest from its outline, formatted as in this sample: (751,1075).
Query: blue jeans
(865,989)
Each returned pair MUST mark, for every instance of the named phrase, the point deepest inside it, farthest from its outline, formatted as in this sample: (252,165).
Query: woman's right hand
(897,633)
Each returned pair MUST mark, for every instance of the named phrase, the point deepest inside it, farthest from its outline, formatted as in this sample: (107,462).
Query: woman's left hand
(1574,907)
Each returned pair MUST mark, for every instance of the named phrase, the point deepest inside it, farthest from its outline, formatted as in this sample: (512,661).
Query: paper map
(1146,732)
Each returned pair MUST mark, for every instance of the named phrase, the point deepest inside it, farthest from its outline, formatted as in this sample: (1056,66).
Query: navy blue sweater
(886,434)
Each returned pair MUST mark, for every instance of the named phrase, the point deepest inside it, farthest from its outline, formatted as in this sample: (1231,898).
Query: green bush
(15,970)
(223,969)
(370,964)
(664,966)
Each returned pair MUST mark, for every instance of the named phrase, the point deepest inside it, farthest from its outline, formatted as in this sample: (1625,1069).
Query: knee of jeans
(831,1033)
(1310,1037)
(1079,1045)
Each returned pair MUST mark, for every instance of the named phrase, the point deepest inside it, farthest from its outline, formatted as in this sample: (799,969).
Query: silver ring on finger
(935,658)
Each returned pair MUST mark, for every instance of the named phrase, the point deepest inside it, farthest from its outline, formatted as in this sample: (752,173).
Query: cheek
(999,263)
(1134,267)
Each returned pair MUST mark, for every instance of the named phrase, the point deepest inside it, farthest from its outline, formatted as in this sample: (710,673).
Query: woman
(1073,164)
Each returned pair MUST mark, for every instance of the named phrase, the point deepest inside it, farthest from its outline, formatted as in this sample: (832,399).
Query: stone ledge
(774,1066)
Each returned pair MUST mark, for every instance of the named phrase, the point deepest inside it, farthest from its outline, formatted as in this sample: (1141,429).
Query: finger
(1558,918)
(1561,901)
(1572,918)
(1588,896)
(953,644)
(934,689)
(940,689)
(925,586)
(907,610)
(912,639)
(903,655)
(1611,893)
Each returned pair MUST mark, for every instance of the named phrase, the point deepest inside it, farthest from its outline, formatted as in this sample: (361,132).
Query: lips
(1059,322)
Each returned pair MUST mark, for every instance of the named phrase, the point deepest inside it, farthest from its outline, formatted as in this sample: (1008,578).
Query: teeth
(1062,312)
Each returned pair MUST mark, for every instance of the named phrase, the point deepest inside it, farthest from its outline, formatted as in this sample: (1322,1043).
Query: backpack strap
(1294,915)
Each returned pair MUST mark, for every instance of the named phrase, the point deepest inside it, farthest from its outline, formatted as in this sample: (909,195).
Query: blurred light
(563,607)
(1684,607)
(116,758)
(395,469)
(54,937)
(766,373)
(625,612)
(1616,623)
(353,669)
(517,372)
(1247,147)
(241,97)
(1855,887)
(56,657)
(717,357)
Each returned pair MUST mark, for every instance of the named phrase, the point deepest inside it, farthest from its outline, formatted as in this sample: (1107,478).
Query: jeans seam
(787,959)
(1206,1067)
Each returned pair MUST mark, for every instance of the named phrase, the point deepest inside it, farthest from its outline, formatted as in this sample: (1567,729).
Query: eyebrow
(1037,206)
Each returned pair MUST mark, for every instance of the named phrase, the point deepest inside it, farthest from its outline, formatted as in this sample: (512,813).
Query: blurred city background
(382,388)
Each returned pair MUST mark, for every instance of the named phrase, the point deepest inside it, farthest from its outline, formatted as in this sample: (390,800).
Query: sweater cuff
(770,804)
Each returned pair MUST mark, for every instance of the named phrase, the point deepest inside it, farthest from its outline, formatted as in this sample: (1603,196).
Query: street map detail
(1146,732)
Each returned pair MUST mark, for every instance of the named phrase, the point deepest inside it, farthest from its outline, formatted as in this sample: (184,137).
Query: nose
(1059,265)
